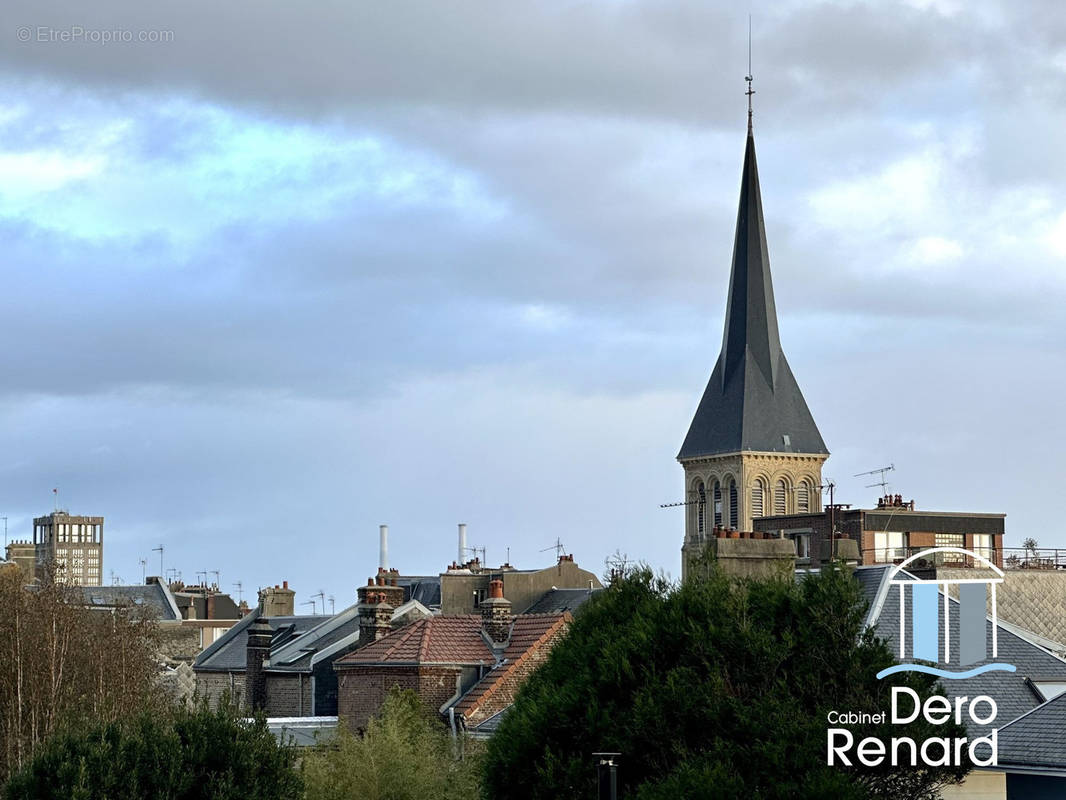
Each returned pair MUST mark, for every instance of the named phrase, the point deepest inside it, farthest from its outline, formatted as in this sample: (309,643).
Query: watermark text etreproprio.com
(78,34)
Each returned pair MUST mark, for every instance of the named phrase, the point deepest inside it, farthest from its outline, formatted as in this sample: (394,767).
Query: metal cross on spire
(749,77)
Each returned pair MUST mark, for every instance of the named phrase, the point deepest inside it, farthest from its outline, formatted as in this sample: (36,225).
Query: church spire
(752,401)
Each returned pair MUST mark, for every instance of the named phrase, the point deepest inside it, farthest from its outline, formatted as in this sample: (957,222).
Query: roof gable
(532,637)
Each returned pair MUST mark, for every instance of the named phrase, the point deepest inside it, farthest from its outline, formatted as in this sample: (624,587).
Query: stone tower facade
(753,448)
(74,545)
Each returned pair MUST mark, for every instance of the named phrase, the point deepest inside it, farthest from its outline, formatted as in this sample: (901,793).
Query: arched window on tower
(781,498)
(734,520)
(758,494)
(803,497)
(717,497)
(701,508)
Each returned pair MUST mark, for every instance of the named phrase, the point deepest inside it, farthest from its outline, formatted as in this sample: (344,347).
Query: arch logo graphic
(927,613)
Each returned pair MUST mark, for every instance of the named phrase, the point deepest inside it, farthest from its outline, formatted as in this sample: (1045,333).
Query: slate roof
(1036,739)
(494,691)
(298,653)
(152,596)
(485,729)
(1011,690)
(423,588)
(229,653)
(435,640)
(752,399)
(556,601)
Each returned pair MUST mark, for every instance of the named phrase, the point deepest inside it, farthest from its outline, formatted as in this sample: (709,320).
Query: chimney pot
(496,588)
(285,584)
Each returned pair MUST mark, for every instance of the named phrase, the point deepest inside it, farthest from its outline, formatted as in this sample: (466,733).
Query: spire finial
(749,77)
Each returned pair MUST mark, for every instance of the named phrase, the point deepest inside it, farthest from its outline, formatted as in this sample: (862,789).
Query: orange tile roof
(532,637)
(434,640)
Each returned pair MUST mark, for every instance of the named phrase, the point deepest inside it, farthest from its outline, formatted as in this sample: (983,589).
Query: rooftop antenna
(240,592)
(218,578)
(830,487)
(144,570)
(322,595)
(749,78)
(160,551)
(55,497)
(558,547)
(310,603)
(332,606)
(883,483)
(204,573)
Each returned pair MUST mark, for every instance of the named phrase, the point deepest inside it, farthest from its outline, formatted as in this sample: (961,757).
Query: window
(1050,689)
(803,497)
(733,503)
(803,546)
(701,506)
(982,545)
(758,491)
(890,546)
(781,498)
(717,504)
(950,540)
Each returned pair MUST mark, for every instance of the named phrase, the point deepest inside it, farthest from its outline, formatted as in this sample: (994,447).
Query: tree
(186,754)
(402,755)
(714,688)
(61,661)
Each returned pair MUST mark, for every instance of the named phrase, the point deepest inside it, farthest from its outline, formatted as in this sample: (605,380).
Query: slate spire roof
(752,401)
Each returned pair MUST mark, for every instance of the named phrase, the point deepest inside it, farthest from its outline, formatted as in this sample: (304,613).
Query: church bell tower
(753,448)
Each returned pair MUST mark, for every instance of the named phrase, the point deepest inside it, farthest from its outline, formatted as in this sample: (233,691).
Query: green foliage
(713,689)
(402,755)
(187,754)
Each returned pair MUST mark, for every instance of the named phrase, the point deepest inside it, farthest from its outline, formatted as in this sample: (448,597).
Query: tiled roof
(1012,692)
(436,640)
(1037,738)
(532,636)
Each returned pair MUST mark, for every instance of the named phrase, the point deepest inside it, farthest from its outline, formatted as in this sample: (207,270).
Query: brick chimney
(258,651)
(375,612)
(496,613)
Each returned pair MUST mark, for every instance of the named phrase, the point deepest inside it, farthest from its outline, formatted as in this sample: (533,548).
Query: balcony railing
(1033,558)
(897,555)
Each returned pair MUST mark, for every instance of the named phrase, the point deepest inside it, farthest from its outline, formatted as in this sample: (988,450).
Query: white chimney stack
(383,558)
(462,544)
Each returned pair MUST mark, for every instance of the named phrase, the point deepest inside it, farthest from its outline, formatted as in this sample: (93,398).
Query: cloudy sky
(281,272)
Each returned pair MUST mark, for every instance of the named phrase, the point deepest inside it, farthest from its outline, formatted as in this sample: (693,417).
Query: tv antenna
(883,483)
(144,570)
(218,578)
(160,551)
(321,595)
(240,592)
(309,603)
(682,503)
(332,607)
(558,547)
